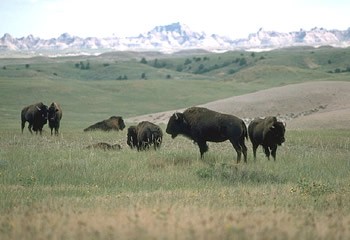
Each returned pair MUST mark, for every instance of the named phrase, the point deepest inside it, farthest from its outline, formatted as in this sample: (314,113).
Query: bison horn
(39,109)
(176,116)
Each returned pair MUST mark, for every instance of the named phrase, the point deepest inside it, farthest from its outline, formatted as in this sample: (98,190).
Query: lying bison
(202,125)
(113,123)
(36,116)
(54,117)
(105,146)
(268,133)
(144,135)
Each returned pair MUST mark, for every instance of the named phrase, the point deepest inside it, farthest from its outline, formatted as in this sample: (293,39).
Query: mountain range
(175,37)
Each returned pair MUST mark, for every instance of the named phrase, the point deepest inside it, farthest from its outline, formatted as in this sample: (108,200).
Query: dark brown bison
(202,125)
(268,133)
(54,117)
(36,116)
(113,123)
(144,135)
(132,137)
(104,146)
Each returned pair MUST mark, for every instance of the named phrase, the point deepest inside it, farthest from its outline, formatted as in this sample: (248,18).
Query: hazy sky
(102,18)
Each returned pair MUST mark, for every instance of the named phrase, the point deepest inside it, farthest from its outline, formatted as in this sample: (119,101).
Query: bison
(268,133)
(144,135)
(202,125)
(105,146)
(36,116)
(54,117)
(113,123)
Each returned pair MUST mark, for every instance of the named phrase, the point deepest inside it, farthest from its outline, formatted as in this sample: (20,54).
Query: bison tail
(245,131)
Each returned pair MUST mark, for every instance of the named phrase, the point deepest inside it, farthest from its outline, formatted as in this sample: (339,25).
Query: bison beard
(269,133)
(202,125)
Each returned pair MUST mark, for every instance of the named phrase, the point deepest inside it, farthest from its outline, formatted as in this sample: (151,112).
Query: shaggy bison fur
(144,135)
(267,132)
(203,125)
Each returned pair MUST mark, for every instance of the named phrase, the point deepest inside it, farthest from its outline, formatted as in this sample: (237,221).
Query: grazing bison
(36,116)
(202,125)
(54,117)
(144,135)
(132,137)
(113,123)
(268,133)
(104,146)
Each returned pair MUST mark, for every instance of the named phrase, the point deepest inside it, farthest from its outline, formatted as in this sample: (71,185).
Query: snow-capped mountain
(175,37)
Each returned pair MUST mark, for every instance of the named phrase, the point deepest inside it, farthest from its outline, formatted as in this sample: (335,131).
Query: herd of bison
(196,123)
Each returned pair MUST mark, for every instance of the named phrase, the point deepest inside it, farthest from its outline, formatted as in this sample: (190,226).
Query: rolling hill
(310,105)
(130,84)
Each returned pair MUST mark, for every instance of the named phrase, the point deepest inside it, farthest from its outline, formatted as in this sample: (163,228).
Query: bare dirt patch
(310,105)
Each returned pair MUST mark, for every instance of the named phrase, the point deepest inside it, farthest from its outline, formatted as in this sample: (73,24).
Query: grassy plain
(55,188)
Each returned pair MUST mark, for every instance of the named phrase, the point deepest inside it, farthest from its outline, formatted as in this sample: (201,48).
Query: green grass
(57,179)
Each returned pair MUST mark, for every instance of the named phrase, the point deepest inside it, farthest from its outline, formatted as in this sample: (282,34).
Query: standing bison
(202,125)
(268,133)
(113,123)
(144,135)
(36,116)
(54,117)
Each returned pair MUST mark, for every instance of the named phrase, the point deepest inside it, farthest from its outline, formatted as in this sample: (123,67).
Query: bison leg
(255,147)
(203,147)
(30,128)
(273,152)
(238,151)
(56,131)
(23,125)
(267,152)
(244,150)
(240,148)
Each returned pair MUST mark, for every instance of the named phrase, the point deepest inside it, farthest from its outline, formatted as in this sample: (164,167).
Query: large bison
(202,125)
(268,133)
(144,135)
(36,116)
(54,117)
(113,123)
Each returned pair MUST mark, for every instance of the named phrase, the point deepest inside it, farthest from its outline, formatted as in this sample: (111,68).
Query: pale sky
(121,18)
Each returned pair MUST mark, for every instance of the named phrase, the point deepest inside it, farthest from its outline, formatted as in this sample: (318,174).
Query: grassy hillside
(91,88)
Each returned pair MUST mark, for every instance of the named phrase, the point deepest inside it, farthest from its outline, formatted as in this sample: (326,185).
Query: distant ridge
(176,37)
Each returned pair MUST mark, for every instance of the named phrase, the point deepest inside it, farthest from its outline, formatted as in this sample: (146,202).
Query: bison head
(121,123)
(42,111)
(132,137)
(176,125)
(274,130)
(52,113)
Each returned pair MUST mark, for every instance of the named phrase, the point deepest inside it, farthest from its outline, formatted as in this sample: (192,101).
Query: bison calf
(144,135)
(54,117)
(36,116)
(268,133)
(203,125)
(104,146)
